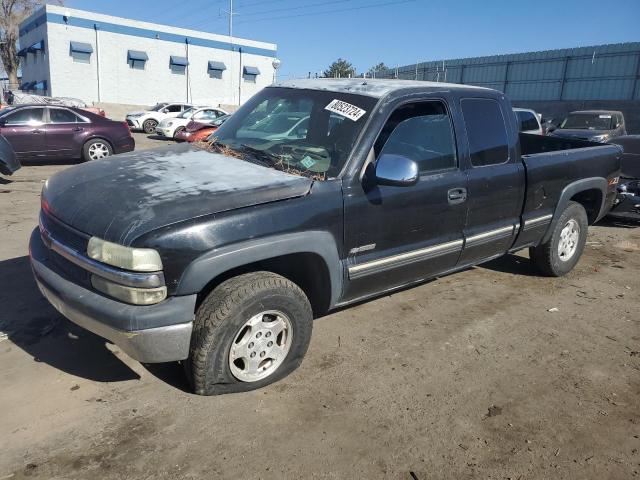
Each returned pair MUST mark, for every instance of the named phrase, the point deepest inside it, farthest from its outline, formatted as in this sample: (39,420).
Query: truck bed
(553,166)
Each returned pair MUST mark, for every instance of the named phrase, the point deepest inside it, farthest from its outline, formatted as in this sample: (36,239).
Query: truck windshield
(588,121)
(304,132)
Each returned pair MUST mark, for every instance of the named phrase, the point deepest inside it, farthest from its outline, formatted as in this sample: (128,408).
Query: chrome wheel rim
(569,237)
(260,346)
(98,150)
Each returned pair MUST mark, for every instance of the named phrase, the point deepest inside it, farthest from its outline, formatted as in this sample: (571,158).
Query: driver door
(396,235)
(26,132)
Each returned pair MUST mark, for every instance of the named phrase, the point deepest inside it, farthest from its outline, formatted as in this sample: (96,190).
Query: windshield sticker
(307,162)
(605,116)
(345,109)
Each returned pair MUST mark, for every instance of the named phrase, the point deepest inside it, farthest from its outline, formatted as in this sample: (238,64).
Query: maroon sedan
(56,133)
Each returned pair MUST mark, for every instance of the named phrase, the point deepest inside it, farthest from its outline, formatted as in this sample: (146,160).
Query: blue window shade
(36,47)
(79,47)
(40,85)
(179,61)
(23,52)
(26,86)
(251,71)
(217,66)
(137,55)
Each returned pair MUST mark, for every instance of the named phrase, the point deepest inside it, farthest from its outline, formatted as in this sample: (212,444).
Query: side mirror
(396,170)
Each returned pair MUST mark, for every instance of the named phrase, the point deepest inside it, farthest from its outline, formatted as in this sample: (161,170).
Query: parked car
(291,125)
(20,98)
(592,125)
(53,133)
(9,163)
(148,120)
(529,121)
(627,203)
(169,127)
(222,259)
(198,132)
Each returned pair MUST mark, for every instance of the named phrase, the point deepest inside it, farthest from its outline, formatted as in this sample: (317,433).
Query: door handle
(457,195)
(37,130)
(78,129)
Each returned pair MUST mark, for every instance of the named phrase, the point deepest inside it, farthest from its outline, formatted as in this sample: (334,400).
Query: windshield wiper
(261,154)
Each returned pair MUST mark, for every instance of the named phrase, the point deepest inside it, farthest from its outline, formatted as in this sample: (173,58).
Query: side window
(173,108)
(26,116)
(486,131)
(421,132)
(527,121)
(60,115)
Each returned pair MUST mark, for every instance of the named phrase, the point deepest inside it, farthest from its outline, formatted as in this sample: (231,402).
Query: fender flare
(220,260)
(593,183)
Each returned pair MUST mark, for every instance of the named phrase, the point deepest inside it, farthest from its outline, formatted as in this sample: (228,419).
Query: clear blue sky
(395,32)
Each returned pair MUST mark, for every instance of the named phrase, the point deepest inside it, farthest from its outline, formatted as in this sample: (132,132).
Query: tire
(149,126)
(96,149)
(178,130)
(220,331)
(555,258)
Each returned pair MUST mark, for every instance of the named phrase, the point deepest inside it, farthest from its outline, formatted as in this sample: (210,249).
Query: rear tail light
(127,125)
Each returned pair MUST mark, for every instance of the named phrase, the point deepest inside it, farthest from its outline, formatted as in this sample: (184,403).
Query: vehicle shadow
(170,373)
(42,163)
(34,326)
(611,222)
(512,264)
(159,137)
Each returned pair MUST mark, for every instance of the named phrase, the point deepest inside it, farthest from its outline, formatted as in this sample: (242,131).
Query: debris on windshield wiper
(279,162)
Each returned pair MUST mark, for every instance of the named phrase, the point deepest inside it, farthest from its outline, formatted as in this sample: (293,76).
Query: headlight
(600,138)
(137,259)
(134,115)
(135,296)
(169,124)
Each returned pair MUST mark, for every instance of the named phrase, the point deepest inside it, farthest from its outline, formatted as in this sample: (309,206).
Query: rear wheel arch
(585,192)
(91,139)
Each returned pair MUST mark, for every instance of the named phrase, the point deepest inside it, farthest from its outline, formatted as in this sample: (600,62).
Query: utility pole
(231,13)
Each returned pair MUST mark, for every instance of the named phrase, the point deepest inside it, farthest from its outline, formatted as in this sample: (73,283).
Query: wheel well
(591,200)
(307,270)
(97,138)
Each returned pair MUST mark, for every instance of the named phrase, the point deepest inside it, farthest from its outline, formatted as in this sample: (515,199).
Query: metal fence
(603,72)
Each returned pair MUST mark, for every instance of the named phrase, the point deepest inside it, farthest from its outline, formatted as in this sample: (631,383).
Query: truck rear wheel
(250,331)
(561,252)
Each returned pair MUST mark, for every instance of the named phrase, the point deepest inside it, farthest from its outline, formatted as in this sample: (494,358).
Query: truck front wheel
(561,252)
(250,331)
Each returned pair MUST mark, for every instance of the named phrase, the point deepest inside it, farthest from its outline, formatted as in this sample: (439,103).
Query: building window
(137,59)
(80,52)
(178,65)
(250,74)
(216,69)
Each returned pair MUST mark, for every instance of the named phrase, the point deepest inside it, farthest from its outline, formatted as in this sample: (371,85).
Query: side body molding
(208,266)
(594,183)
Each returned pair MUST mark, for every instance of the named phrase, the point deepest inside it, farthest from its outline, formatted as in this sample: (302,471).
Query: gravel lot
(468,376)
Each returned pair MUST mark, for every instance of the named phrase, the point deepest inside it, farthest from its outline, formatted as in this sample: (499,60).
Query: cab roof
(372,87)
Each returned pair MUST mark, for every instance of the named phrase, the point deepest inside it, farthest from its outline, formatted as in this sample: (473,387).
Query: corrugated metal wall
(603,72)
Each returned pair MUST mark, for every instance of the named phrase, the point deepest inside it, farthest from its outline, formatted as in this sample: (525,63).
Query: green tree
(12,13)
(340,69)
(373,71)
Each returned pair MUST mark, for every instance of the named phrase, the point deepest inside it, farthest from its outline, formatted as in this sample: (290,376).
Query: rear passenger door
(496,179)
(66,132)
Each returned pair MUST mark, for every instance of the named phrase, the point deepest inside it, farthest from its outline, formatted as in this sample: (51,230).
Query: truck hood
(125,196)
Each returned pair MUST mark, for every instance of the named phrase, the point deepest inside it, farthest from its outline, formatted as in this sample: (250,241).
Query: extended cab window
(486,131)
(421,132)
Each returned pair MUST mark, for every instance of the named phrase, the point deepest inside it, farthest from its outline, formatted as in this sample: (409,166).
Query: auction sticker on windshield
(345,109)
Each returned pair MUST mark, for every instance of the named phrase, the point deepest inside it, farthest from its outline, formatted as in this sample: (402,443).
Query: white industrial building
(100,58)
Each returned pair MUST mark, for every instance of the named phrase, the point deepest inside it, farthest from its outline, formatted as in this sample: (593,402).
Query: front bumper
(150,334)
(165,131)
(134,123)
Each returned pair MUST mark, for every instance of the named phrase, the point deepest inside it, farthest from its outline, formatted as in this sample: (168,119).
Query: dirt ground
(475,375)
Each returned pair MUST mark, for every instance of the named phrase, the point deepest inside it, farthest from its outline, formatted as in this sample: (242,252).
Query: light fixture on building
(66,16)
(276,65)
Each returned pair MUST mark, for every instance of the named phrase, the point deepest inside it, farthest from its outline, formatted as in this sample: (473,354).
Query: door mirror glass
(396,170)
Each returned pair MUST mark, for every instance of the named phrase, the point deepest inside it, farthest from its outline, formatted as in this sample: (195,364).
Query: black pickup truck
(316,194)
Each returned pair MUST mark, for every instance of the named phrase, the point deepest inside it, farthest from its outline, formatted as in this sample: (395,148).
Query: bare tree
(12,13)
